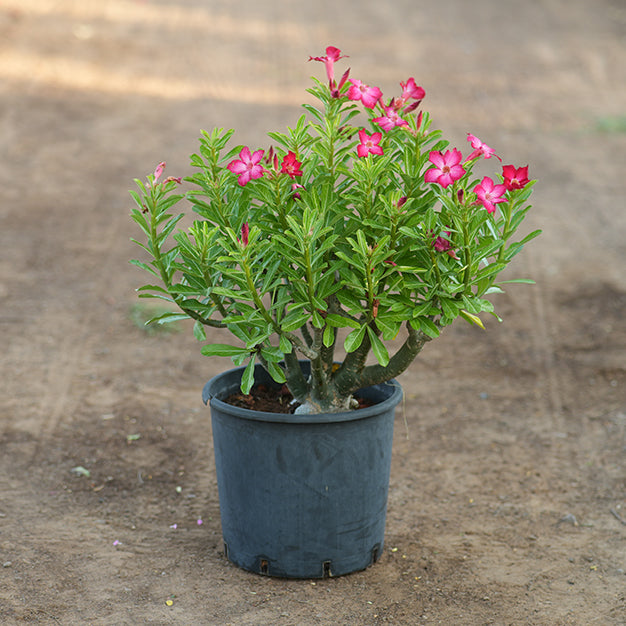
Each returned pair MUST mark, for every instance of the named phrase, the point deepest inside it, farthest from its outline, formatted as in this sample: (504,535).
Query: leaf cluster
(348,245)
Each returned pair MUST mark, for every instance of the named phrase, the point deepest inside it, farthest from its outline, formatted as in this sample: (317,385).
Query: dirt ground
(507,501)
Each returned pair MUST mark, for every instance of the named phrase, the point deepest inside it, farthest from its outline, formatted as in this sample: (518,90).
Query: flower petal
(237,166)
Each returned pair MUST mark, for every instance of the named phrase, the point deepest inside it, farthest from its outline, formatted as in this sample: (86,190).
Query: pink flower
(369,144)
(200,522)
(247,166)
(158,171)
(480,148)
(336,89)
(420,117)
(390,119)
(447,168)
(442,244)
(489,194)
(368,95)
(332,56)
(296,193)
(515,178)
(291,166)
(245,230)
(411,91)
(173,179)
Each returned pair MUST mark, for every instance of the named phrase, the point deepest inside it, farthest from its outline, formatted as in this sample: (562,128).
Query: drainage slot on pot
(225,549)
(326,569)
(375,551)
(264,566)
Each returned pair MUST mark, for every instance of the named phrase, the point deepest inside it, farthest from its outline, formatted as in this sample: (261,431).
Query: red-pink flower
(480,148)
(332,56)
(173,179)
(158,171)
(489,194)
(245,231)
(443,244)
(411,90)
(447,168)
(420,117)
(369,144)
(515,178)
(391,118)
(368,95)
(296,193)
(247,165)
(291,166)
(335,90)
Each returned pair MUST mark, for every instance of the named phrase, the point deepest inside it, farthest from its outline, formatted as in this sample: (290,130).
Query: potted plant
(359,232)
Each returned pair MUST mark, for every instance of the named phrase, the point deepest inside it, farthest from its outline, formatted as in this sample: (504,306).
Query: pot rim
(218,387)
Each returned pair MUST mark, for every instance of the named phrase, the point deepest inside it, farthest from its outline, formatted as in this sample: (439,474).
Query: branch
(207,322)
(376,374)
(351,368)
(296,381)
(307,351)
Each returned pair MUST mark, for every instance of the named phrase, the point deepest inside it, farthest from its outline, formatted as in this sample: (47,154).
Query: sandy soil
(507,500)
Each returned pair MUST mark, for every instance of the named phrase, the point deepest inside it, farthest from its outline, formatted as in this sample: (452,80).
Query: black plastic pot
(302,496)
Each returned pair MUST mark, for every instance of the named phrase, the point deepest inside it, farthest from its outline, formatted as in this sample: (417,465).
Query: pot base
(266,566)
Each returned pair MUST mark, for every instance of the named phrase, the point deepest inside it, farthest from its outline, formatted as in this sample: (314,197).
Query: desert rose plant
(358,228)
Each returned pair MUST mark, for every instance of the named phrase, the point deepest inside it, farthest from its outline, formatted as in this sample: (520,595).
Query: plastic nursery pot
(302,496)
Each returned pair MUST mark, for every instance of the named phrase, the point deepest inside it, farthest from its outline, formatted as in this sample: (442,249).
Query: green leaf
(378,348)
(198,331)
(169,227)
(239,359)
(294,320)
(348,299)
(143,266)
(523,281)
(272,353)
(276,372)
(285,345)
(389,327)
(428,327)
(329,336)
(354,339)
(247,379)
(471,318)
(168,318)
(450,308)
(339,321)
(222,349)
(317,319)
(490,270)
(493,289)
(425,308)
(152,288)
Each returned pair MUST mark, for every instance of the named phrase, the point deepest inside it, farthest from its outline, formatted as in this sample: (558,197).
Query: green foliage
(286,263)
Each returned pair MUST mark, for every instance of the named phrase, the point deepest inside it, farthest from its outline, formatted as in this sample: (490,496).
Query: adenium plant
(360,228)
